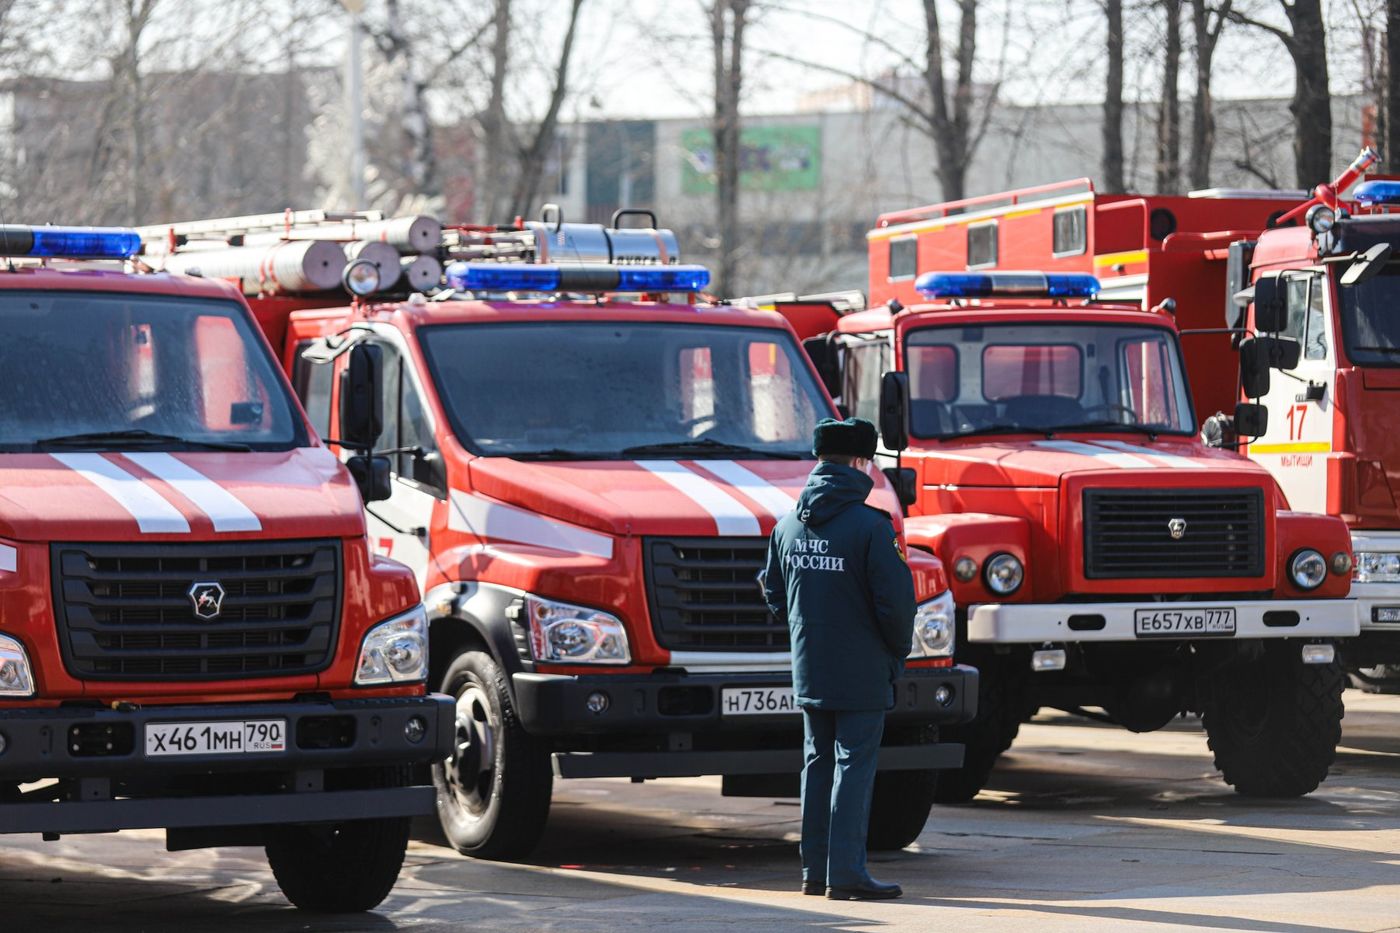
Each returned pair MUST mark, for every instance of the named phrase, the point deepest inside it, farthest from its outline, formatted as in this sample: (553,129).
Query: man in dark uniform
(837,576)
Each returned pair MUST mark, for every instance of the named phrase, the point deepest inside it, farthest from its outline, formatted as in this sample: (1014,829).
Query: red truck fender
(973,535)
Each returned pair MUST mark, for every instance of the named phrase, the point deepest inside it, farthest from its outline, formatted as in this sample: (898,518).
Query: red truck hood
(1044,463)
(139,496)
(640,497)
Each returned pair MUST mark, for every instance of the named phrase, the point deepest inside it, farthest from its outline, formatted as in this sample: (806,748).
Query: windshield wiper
(1109,426)
(560,453)
(997,429)
(134,437)
(1378,349)
(704,446)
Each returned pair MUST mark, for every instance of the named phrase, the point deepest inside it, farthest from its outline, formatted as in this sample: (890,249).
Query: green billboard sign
(771,158)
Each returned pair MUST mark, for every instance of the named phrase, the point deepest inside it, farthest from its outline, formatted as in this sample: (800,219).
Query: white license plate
(236,737)
(1183,623)
(756,701)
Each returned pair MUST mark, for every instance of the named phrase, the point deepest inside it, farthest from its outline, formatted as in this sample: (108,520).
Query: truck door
(1299,436)
(399,527)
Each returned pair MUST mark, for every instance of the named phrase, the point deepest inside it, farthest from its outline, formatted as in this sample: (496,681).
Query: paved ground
(1084,828)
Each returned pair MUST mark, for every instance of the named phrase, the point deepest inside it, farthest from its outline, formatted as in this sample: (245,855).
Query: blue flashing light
(503,277)
(662,278)
(69,242)
(1007,284)
(1377,192)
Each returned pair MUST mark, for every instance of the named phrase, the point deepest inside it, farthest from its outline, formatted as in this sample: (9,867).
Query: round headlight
(1308,569)
(361,278)
(965,569)
(1320,218)
(1004,574)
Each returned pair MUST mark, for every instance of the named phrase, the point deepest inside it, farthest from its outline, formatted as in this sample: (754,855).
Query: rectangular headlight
(563,633)
(16,676)
(1377,567)
(395,651)
(934,629)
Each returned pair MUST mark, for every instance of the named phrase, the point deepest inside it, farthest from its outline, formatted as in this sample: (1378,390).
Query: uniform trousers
(838,778)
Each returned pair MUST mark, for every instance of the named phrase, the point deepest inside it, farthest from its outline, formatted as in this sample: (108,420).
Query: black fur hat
(854,437)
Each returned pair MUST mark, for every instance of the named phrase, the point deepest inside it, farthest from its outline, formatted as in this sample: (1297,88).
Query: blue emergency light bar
(68,242)
(1377,192)
(575,277)
(1007,284)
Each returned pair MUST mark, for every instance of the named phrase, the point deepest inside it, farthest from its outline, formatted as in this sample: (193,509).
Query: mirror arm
(347,445)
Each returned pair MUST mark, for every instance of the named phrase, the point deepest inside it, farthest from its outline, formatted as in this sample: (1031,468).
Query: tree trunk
(728,18)
(1202,103)
(138,16)
(950,125)
(1169,108)
(419,161)
(1311,105)
(1392,84)
(532,160)
(493,158)
(1113,101)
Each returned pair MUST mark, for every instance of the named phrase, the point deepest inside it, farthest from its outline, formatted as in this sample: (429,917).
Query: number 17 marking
(1295,427)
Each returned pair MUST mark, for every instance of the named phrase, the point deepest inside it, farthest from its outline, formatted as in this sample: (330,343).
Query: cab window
(406,426)
(1307,320)
(866,363)
(312,382)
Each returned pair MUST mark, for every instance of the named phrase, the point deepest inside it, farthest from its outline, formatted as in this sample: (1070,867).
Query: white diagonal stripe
(153,512)
(731,516)
(223,508)
(1099,453)
(775,500)
(495,520)
(1172,460)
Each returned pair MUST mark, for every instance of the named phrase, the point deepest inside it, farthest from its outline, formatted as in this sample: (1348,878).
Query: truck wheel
(899,808)
(1000,706)
(338,867)
(1274,722)
(493,793)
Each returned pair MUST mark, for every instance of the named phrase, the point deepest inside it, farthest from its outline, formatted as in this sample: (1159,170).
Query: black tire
(493,795)
(1000,705)
(899,808)
(338,867)
(1382,678)
(1274,722)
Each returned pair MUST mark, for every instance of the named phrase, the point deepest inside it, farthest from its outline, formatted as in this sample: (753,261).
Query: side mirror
(894,410)
(371,475)
(826,357)
(362,397)
(1367,267)
(1259,355)
(905,483)
(1270,311)
(1251,420)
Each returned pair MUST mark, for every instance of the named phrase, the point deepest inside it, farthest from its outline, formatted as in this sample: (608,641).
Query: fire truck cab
(584,473)
(194,633)
(1101,556)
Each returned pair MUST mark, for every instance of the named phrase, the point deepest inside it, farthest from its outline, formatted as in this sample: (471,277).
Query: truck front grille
(127,611)
(704,595)
(1128,533)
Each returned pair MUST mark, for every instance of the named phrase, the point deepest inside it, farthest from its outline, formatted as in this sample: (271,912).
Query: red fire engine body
(195,633)
(1329,439)
(584,482)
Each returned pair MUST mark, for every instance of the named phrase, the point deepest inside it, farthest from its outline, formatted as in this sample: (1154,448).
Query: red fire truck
(584,473)
(1104,560)
(1323,264)
(196,635)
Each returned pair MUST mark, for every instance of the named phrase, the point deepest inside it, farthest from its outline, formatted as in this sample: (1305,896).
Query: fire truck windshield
(1370,322)
(582,390)
(1005,378)
(121,371)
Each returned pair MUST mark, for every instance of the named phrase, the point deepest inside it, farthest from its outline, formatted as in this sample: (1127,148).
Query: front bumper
(1371,598)
(679,704)
(122,787)
(1034,623)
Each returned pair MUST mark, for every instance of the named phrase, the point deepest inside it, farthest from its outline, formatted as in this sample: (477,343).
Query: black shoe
(815,888)
(868,890)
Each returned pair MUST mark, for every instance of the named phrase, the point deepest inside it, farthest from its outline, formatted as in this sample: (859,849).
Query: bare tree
(1392,82)
(494,130)
(419,161)
(1305,39)
(532,156)
(728,20)
(1207,29)
(128,85)
(1169,106)
(1113,100)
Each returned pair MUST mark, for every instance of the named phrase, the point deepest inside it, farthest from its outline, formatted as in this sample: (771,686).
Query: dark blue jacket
(836,575)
